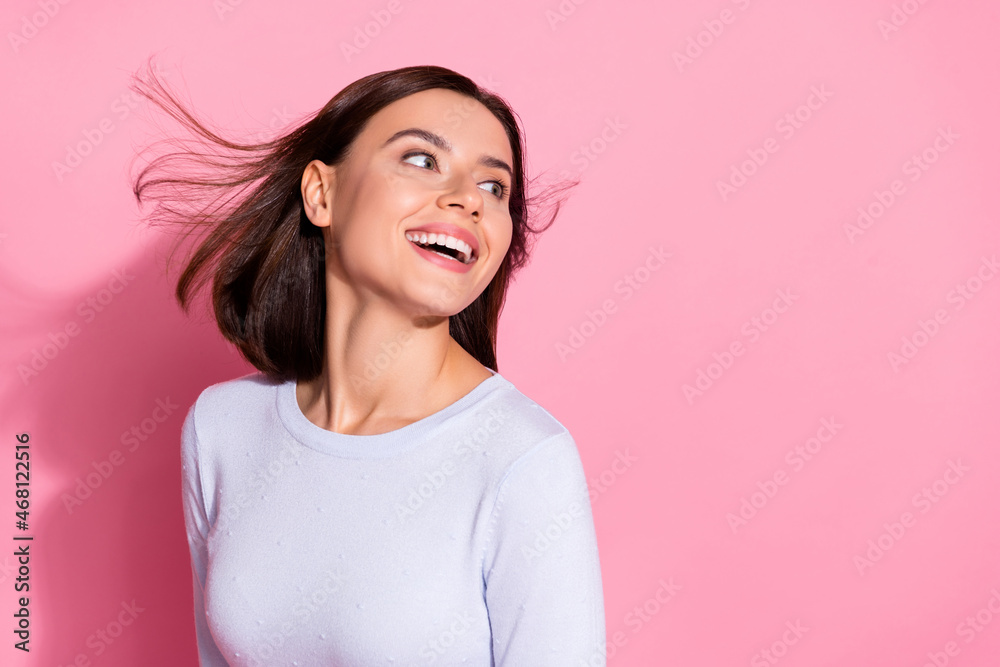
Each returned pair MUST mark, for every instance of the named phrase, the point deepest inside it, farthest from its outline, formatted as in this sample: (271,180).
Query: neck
(381,369)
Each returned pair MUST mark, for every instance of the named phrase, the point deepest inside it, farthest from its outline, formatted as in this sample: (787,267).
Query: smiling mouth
(443,245)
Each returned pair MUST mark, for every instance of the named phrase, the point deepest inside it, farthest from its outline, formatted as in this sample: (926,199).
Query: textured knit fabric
(465,538)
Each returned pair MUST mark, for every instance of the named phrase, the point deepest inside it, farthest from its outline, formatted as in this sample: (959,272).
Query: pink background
(671,471)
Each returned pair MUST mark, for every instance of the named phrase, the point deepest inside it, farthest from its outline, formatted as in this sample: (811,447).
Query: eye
(498,188)
(422,154)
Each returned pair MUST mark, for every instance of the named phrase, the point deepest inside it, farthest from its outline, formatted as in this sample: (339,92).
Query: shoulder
(519,429)
(525,414)
(222,405)
(541,487)
(220,395)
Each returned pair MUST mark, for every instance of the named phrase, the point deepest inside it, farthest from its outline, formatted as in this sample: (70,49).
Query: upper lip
(451,230)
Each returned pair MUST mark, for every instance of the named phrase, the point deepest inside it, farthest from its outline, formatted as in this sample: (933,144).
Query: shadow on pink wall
(103,391)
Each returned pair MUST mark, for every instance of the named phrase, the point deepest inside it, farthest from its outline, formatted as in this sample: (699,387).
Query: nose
(465,195)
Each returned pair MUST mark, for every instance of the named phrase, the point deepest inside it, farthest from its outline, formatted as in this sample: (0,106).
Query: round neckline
(379,445)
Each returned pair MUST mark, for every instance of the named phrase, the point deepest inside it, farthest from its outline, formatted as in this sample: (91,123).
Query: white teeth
(443,240)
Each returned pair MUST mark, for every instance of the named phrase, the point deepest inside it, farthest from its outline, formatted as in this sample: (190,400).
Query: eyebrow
(442,143)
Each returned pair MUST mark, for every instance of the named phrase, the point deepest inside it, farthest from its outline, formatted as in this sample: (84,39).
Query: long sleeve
(541,567)
(197,526)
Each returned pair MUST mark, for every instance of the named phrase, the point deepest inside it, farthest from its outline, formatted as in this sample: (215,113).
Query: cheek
(504,237)
(398,194)
(376,210)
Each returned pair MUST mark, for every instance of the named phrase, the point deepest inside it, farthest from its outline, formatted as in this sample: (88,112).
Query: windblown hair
(243,203)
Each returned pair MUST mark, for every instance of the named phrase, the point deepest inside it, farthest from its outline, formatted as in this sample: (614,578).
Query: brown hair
(265,258)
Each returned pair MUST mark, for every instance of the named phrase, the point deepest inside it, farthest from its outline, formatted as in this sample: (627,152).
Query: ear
(317,188)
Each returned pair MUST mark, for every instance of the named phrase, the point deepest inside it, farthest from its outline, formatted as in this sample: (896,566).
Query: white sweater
(465,538)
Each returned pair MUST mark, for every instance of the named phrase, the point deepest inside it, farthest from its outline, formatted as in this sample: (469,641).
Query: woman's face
(433,162)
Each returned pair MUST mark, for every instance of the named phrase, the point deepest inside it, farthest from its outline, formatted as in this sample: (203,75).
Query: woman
(377,494)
